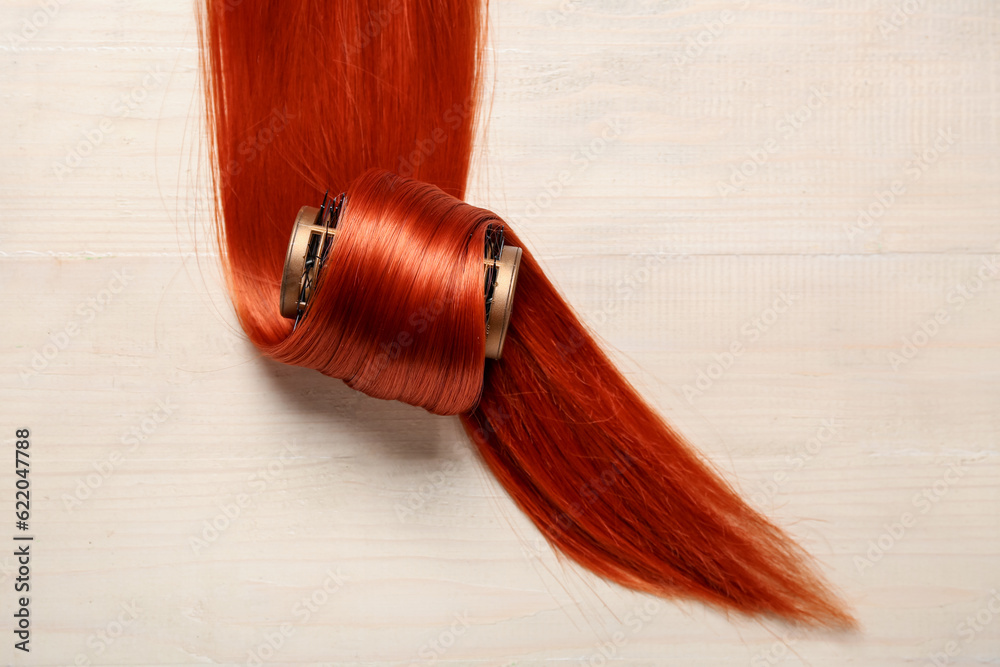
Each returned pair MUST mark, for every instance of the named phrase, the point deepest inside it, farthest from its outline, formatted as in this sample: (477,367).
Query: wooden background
(818,181)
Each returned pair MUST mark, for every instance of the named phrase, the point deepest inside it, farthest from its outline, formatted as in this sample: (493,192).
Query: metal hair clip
(502,264)
(313,237)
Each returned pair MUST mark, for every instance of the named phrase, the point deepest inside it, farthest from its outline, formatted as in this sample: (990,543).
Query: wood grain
(814,182)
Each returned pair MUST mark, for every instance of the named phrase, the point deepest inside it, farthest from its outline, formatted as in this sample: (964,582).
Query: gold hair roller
(314,234)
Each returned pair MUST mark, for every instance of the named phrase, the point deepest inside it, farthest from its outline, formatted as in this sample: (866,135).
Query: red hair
(377,99)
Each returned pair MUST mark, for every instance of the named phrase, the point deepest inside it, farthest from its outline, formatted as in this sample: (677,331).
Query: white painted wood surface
(116,321)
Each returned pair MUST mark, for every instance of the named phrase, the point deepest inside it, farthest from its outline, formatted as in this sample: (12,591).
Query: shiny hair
(378,99)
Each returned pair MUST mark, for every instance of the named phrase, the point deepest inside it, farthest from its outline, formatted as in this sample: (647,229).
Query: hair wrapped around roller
(378,99)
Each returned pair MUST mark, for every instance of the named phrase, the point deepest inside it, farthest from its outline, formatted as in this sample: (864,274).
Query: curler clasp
(312,239)
(502,265)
